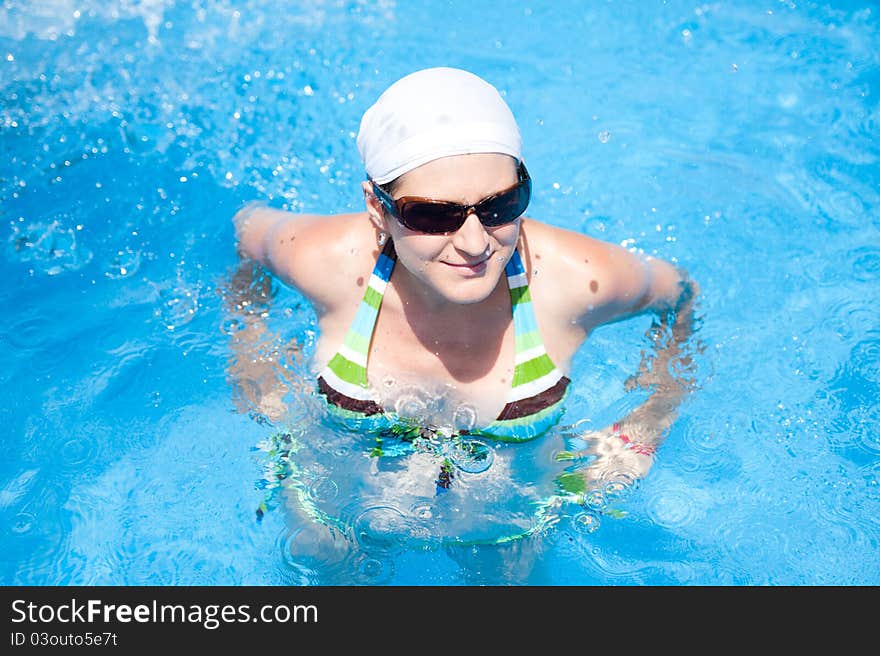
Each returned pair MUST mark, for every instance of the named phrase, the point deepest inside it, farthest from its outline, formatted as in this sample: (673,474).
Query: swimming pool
(736,139)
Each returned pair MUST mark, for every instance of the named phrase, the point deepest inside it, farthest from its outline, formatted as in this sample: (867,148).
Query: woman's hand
(621,456)
(614,456)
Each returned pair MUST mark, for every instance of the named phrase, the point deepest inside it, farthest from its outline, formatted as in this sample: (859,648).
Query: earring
(382,238)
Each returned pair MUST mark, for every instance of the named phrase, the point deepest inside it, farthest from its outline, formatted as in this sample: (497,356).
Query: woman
(443,284)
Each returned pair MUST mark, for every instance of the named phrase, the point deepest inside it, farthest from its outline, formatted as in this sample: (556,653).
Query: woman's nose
(471,237)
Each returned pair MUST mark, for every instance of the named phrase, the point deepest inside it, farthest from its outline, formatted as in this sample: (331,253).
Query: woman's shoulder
(573,273)
(323,255)
(559,250)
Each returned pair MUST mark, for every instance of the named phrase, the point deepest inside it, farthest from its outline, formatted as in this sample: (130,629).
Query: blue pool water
(737,139)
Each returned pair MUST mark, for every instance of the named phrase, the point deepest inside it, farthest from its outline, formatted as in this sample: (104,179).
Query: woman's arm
(624,451)
(267,236)
(311,253)
(292,248)
(256,366)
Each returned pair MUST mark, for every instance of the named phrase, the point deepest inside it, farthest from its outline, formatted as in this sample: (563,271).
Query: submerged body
(452,318)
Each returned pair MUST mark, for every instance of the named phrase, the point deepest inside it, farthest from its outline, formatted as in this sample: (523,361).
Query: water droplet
(231,326)
(604,136)
(372,571)
(75,451)
(423,511)
(22,522)
(409,405)
(464,417)
(323,489)
(124,265)
(370,568)
(177,306)
(586,522)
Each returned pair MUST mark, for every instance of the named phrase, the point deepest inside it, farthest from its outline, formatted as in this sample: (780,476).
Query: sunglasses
(440,216)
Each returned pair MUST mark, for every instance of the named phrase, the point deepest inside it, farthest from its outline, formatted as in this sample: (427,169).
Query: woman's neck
(437,320)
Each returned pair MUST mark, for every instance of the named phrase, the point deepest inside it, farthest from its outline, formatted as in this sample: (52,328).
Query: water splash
(51,248)
(472,456)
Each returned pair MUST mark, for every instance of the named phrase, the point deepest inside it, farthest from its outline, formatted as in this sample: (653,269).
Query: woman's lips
(476,268)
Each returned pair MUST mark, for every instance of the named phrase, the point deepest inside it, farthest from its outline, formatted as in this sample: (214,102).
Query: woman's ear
(374,207)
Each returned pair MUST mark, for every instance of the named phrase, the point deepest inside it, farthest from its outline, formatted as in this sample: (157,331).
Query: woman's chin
(469,290)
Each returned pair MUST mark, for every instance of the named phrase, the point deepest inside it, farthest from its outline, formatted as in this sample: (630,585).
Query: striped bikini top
(537,394)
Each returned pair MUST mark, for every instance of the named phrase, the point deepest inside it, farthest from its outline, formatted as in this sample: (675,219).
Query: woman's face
(463,266)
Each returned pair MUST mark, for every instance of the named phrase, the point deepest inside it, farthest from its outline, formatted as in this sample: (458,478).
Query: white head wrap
(432,113)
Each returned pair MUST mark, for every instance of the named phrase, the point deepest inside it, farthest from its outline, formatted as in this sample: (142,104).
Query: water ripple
(844,498)
(672,506)
(586,522)
(866,424)
(708,435)
(849,318)
(369,570)
(753,550)
(311,553)
(125,375)
(232,326)
(846,554)
(843,429)
(464,418)
(29,333)
(710,442)
(865,263)
(472,456)
(422,511)
(158,565)
(35,539)
(609,563)
(22,523)
(322,490)
(380,529)
(77,451)
(869,476)
(865,357)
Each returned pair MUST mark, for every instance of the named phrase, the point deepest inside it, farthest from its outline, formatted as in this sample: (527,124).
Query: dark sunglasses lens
(505,207)
(432,217)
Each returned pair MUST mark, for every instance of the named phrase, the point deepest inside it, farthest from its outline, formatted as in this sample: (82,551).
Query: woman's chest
(444,380)
(443,374)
